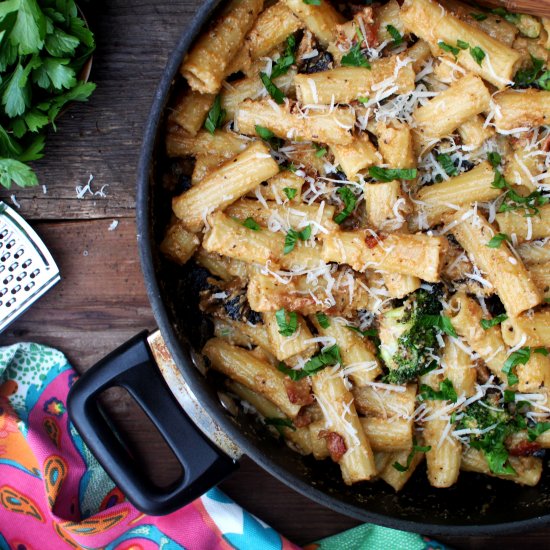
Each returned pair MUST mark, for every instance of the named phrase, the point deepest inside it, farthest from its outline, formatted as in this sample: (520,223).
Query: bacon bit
(545,145)
(299,392)
(373,241)
(525,448)
(335,444)
(303,418)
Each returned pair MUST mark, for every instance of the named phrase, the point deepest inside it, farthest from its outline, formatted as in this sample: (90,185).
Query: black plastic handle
(132,367)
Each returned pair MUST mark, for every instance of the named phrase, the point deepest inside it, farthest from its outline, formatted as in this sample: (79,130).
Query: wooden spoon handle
(533,7)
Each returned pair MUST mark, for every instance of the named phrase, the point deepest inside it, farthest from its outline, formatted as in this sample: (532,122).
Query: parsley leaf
(442,322)
(446,392)
(290,192)
(479,16)
(395,34)
(462,44)
(509,396)
(287,327)
(272,89)
(321,151)
(251,223)
(514,200)
(15,171)
(369,332)
(494,158)
(519,357)
(447,164)
(312,2)
(350,201)
(497,240)
(323,320)
(355,57)
(328,357)
(527,76)
(363,100)
(478,54)
(448,48)
(390,174)
(264,133)
(486,324)
(292,237)
(216,116)
(540,428)
(415,449)
(286,60)
(510,17)
(280,423)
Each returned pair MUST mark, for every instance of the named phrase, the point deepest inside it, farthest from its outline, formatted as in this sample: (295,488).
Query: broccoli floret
(408,343)
(482,414)
(489,413)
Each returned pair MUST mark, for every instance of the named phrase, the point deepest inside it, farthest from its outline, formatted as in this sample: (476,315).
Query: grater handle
(132,367)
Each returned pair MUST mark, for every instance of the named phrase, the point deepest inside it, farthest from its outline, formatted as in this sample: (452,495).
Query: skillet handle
(132,367)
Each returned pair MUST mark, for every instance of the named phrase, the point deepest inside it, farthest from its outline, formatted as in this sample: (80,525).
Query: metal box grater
(27,269)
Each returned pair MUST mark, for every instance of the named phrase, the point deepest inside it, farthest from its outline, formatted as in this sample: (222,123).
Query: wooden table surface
(101,300)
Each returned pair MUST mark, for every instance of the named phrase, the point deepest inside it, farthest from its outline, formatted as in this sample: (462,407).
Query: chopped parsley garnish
(510,17)
(509,396)
(323,320)
(363,100)
(497,240)
(447,164)
(327,358)
(251,223)
(478,54)
(216,116)
(292,237)
(486,324)
(350,201)
(272,89)
(286,60)
(312,2)
(355,58)
(395,34)
(519,357)
(448,48)
(415,449)
(369,332)
(287,322)
(514,200)
(533,76)
(290,192)
(540,428)
(446,392)
(320,151)
(478,16)
(390,174)
(269,136)
(494,158)
(280,423)
(442,322)
(264,133)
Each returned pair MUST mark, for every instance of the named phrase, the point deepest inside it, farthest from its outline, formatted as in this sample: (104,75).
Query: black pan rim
(192,376)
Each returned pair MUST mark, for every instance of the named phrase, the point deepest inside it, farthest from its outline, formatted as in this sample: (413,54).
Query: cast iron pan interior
(476,505)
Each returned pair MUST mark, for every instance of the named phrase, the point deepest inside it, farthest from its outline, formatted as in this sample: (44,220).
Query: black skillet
(476,505)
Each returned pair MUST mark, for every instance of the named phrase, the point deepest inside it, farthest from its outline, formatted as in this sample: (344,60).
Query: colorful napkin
(54,495)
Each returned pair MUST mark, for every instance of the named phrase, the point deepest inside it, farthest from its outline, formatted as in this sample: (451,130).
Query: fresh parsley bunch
(44,45)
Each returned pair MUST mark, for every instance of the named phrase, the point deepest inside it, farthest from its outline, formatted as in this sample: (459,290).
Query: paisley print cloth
(54,495)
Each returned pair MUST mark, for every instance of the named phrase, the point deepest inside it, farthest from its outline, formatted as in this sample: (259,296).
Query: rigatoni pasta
(367,223)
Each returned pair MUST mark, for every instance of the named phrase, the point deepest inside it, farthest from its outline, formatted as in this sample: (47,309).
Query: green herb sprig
(43,48)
